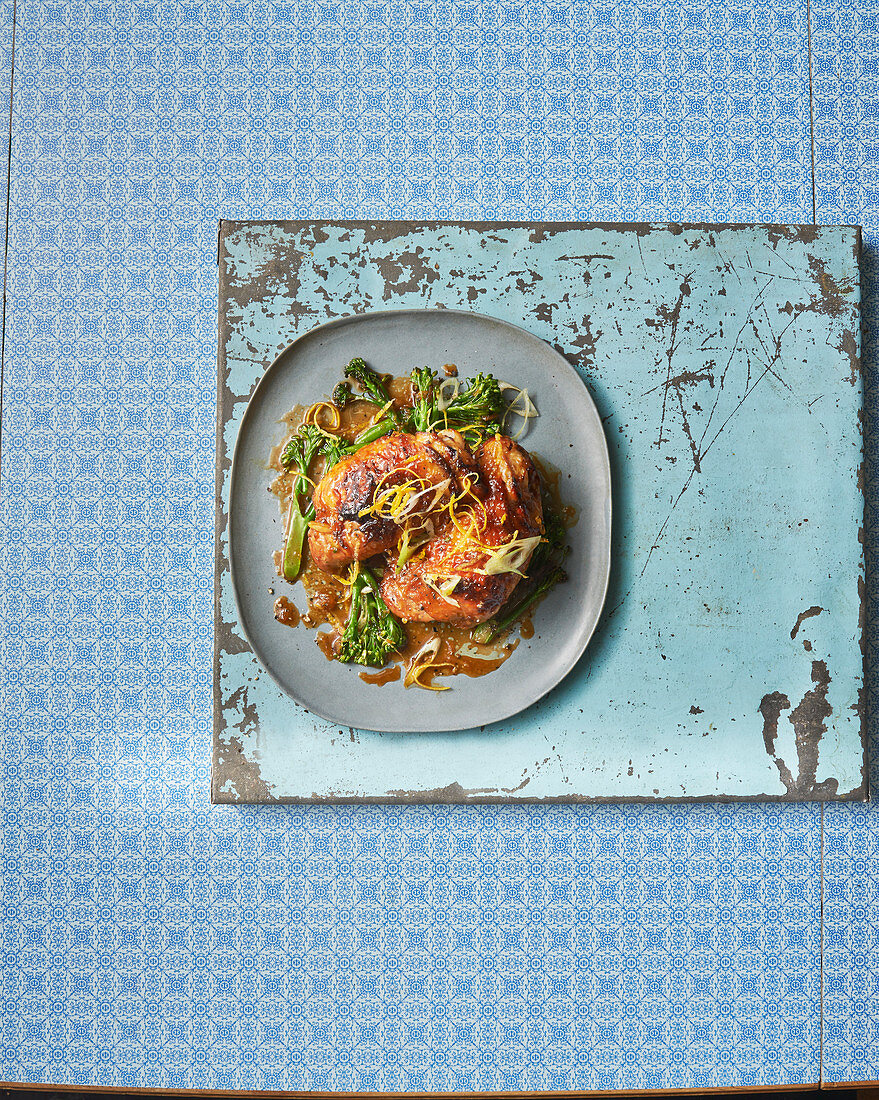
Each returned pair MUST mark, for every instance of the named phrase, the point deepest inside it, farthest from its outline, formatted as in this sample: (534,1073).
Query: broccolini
(374,389)
(477,411)
(371,633)
(300,452)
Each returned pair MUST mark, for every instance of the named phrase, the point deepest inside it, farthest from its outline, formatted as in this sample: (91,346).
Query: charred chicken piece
(362,502)
(469,570)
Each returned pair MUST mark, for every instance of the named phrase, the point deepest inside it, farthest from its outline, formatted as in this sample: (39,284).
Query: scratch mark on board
(672,317)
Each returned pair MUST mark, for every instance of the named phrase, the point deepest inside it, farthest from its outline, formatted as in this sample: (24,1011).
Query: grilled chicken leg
(452,579)
(345,529)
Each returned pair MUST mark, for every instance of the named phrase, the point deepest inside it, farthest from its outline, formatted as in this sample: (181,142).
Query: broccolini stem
(301,449)
(339,450)
(371,434)
(488,631)
(297,528)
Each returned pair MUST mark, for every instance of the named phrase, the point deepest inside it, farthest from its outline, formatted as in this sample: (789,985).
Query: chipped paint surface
(725,362)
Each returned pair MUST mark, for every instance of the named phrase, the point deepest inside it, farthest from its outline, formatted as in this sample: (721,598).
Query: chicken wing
(348,526)
(469,570)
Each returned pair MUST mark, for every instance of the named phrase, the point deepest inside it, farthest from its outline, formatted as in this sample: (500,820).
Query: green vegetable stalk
(476,411)
(336,449)
(371,434)
(488,631)
(371,633)
(373,387)
(299,453)
(424,393)
(544,572)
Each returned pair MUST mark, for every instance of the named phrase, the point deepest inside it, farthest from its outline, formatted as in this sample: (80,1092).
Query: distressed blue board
(725,363)
(845,41)
(154,940)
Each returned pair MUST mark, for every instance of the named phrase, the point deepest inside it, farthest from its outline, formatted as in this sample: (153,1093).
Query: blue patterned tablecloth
(154,940)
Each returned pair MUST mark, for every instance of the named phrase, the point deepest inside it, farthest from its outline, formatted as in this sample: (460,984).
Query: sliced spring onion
(521,406)
(443,401)
(426,668)
(512,557)
(421,662)
(401,502)
(445,591)
(414,538)
(389,502)
(419,657)
(439,489)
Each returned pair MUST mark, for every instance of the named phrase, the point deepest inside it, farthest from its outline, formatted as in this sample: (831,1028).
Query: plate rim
(236,462)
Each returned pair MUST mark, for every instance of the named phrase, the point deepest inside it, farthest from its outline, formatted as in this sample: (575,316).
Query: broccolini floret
(481,406)
(335,448)
(371,633)
(373,386)
(477,411)
(342,395)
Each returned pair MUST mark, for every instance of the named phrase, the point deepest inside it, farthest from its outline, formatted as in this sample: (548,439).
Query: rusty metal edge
(455,795)
(862,792)
(404,225)
(430,798)
(252,789)
(220,628)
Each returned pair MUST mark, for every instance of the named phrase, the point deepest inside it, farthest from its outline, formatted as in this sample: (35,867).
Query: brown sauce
(385,676)
(327,597)
(551,477)
(426,679)
(473,666)
(464,666)
(457,652)
(286,612)
(326,593)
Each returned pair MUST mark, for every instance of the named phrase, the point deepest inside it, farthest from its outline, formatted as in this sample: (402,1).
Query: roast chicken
(347,527)
(476,518)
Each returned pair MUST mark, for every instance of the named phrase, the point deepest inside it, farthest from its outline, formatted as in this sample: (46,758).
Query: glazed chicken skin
(344,530)
(426,589)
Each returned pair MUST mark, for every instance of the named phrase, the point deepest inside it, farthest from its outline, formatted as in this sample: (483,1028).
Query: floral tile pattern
(153,940)
(6,47)
(845,53)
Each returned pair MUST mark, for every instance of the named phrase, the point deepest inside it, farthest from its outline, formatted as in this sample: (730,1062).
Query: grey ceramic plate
(568,434)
